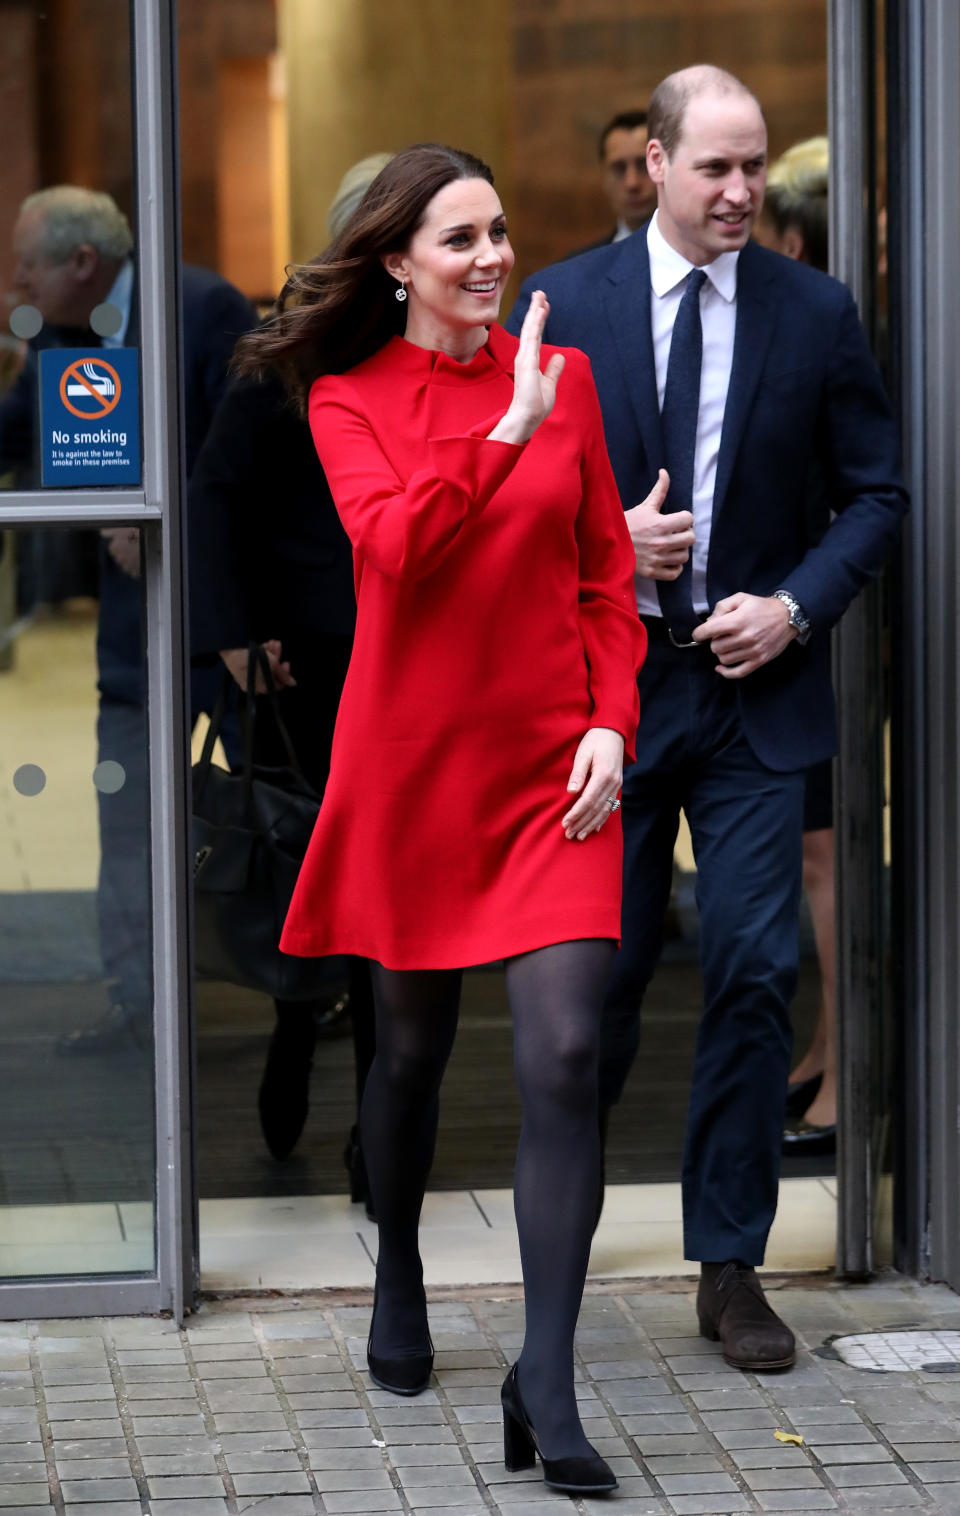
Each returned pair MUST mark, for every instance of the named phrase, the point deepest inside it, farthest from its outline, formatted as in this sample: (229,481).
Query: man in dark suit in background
(73,252)
(622,150)
(738,372)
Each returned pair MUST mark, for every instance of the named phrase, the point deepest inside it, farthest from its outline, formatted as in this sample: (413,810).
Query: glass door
(95,1207)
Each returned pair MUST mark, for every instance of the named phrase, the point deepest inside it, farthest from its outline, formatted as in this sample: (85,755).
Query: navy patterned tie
(678,423)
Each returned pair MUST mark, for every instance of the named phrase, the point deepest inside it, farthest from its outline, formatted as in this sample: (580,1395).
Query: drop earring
(401,293)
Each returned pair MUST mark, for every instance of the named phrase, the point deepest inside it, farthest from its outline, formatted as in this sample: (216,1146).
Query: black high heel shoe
(357,1171)
(571,1476)
(401,1376)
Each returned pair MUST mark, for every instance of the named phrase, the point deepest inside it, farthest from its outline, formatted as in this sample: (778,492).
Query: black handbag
(250,833)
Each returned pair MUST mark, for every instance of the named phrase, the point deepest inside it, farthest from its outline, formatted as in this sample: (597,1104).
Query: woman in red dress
(470,813)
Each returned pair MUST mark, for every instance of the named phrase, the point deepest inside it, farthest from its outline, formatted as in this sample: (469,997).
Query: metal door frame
(157,508)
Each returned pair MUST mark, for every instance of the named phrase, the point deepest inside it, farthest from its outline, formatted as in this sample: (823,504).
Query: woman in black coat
(270,562)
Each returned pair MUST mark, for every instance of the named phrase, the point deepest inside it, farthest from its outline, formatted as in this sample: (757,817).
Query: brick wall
(577,62)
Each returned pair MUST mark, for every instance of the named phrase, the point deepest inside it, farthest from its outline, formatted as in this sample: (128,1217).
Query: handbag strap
(256,658)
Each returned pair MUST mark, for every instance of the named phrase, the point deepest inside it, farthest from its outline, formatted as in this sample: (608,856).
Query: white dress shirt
(718,316)
(120,295)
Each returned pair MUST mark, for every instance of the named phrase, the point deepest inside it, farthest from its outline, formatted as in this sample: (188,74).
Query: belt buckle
(673,639)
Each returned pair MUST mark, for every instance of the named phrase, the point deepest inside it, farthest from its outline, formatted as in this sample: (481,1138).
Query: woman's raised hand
(534,392)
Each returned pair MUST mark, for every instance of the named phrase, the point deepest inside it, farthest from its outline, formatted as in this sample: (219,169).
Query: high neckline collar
(495,357)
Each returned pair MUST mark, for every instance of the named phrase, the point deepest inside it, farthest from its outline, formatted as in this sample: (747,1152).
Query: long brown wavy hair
(340,307)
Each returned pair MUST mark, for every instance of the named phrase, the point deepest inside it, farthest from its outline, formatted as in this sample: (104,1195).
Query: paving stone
(85,1490)
(697,1484)
(24,1494)
(276,1462)
(796,1500)
(158,1389)
(104,1508)
(370,1500)
(708,1505)
(658,1426)
(260,1421)
(280,1331)
(776,1455)
(434,1455)
(853,1452)
(156,1464)
(167,1426)
(658,1444)
(802,1477)
(204,1351)
(824,1415)
(162,1447)
(142,1373)
(26,1473)
(324,1400)
(55,1394)
(851,1475)
(260,1442)
(345,1458)
(687,1463)
(737,1398)
(422,1436)
(823,1436)
(336,1437)
(927,1452)
(277,1505)
(184,1486)
(24,1430)
(206,1506)
(869,1502)
(92,1468)
(746,1437)
(293,1482)
(334,1480)
(78,1428)
(937,1473)
(90,1447)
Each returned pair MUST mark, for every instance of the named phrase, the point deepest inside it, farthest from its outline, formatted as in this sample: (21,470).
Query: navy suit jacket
(806,420)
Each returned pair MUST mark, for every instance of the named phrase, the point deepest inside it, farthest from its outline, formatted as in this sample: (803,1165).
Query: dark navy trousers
(746,824)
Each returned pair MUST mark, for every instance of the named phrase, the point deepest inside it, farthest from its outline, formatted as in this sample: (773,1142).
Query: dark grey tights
(555,997)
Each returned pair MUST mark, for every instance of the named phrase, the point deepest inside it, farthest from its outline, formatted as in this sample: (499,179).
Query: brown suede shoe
(732,1309)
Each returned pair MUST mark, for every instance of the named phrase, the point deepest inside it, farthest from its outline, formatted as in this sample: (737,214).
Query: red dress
(496,622)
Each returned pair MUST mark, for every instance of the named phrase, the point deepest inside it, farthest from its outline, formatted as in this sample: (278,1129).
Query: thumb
(658,494)
(578,774)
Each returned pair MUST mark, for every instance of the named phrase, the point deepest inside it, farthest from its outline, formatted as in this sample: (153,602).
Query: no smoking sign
(90,417)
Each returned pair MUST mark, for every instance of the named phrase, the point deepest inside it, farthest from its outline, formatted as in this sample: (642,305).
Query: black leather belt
(659,632)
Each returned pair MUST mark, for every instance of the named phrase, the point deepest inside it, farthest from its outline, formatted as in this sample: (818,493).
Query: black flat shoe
(571,1476)
(801,1095)
(401,1376)
(357,1170)
(803,1137)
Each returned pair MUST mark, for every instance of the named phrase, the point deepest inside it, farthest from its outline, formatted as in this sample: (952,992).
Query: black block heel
(571,1476)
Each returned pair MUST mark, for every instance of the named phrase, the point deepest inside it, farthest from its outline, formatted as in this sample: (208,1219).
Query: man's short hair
(797,189)
(669,101)
(624,121)
(72,215)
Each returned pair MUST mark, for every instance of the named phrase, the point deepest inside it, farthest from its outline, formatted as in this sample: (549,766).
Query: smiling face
(455,267)
(710,190)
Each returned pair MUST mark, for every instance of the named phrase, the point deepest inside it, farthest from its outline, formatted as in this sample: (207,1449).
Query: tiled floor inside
(265,1404)
(322,1241)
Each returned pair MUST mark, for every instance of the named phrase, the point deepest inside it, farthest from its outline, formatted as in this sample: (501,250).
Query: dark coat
(805,394)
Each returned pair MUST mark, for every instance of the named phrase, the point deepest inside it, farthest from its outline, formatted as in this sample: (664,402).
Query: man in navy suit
(729,378)
(73,249)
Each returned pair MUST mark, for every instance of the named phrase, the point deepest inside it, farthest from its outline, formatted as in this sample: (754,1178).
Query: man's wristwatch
(798,617)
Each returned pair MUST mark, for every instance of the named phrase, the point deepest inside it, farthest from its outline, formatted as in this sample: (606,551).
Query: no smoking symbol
(94,383)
